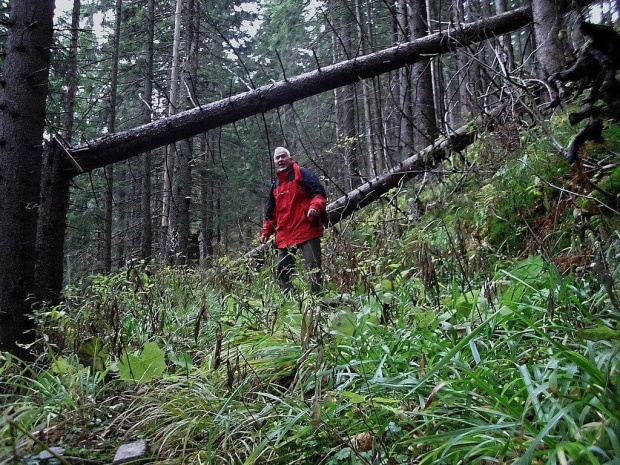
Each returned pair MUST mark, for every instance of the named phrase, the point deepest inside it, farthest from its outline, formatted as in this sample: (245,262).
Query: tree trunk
(424,119)
(115,147)
(146,226)
(547,22)
(392,101)
(207,146)
(436,65)
(506,51)
(170,153)
(52,224)
(366,101)
(72,72)
(108,210)
(410,168)
(348,135)
(405,137)
(183,185)
(463,105)
(109,170)
(122,207)
(54,197)
(22,118)
(478,59)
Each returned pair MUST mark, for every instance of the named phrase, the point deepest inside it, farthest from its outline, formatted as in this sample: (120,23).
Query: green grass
(466,336)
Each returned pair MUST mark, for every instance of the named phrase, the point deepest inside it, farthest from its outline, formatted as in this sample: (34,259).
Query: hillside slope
(470,316)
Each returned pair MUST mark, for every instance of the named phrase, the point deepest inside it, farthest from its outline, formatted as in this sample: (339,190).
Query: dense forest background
(192,190)
(470,310)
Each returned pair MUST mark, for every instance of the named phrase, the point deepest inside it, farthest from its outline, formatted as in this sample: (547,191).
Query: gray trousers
(311,251)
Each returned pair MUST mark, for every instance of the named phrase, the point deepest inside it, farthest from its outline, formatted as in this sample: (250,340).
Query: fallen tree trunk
(124,145)
(408,169)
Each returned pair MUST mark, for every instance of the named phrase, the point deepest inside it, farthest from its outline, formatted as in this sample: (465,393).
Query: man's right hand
(263,239)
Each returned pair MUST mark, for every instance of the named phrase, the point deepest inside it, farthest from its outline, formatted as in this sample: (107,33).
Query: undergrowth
(469,318)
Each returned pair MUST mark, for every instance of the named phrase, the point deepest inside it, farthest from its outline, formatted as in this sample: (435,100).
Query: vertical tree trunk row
(405,110)
(109,170)
(424,118)
(146,228)
(168,236)
(550,51)
(22,118)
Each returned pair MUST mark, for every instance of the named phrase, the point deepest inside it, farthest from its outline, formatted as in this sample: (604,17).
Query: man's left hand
(312,213)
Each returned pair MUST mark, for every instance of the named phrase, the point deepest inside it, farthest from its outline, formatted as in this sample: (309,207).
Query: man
(294,213)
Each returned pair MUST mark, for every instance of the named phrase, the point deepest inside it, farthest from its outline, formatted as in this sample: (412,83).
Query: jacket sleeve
(269,226)
(313,185)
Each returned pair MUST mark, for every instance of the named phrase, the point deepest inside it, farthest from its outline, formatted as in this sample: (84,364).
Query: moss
(611,183)
(504,236)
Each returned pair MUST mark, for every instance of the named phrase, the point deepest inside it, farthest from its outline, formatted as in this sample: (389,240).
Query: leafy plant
(145,367)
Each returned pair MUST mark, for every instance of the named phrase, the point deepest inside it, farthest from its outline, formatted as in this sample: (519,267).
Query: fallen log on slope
(116,147)
(408,169)
(63,164)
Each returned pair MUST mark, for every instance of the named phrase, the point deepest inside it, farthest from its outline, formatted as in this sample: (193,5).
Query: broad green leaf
(93,353)
(513,296)
(149,365)
(342,454)
(529,268)
(182,360)
(343,322)
(62,367)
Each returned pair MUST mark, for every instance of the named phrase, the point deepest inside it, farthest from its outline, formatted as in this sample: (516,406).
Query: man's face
(282,160)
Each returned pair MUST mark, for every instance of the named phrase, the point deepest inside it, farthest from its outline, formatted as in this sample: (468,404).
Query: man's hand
(263,239)
(312,213)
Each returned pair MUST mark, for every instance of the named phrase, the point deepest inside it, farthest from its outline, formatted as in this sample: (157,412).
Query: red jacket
(296,191)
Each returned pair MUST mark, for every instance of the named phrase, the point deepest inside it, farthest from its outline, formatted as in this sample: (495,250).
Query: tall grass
(445,349)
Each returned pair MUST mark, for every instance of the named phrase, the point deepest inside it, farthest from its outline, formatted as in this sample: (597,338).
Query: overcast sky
(63,5)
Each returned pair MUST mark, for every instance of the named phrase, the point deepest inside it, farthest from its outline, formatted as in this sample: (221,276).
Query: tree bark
(424,118)
(124,211)
(462,107)
(171,152)
(120,146)
(506,51)
(109,169)
(348,134)
(405,109)
(392,100)
(367,121)
(409,168)
(108,210)
(207,146)
(22,118)
(72,72)
(54,197)
(547,21)
(146,226)
(182,193)
(52,224)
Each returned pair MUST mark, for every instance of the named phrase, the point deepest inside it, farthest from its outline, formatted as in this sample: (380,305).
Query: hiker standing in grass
(295,212)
